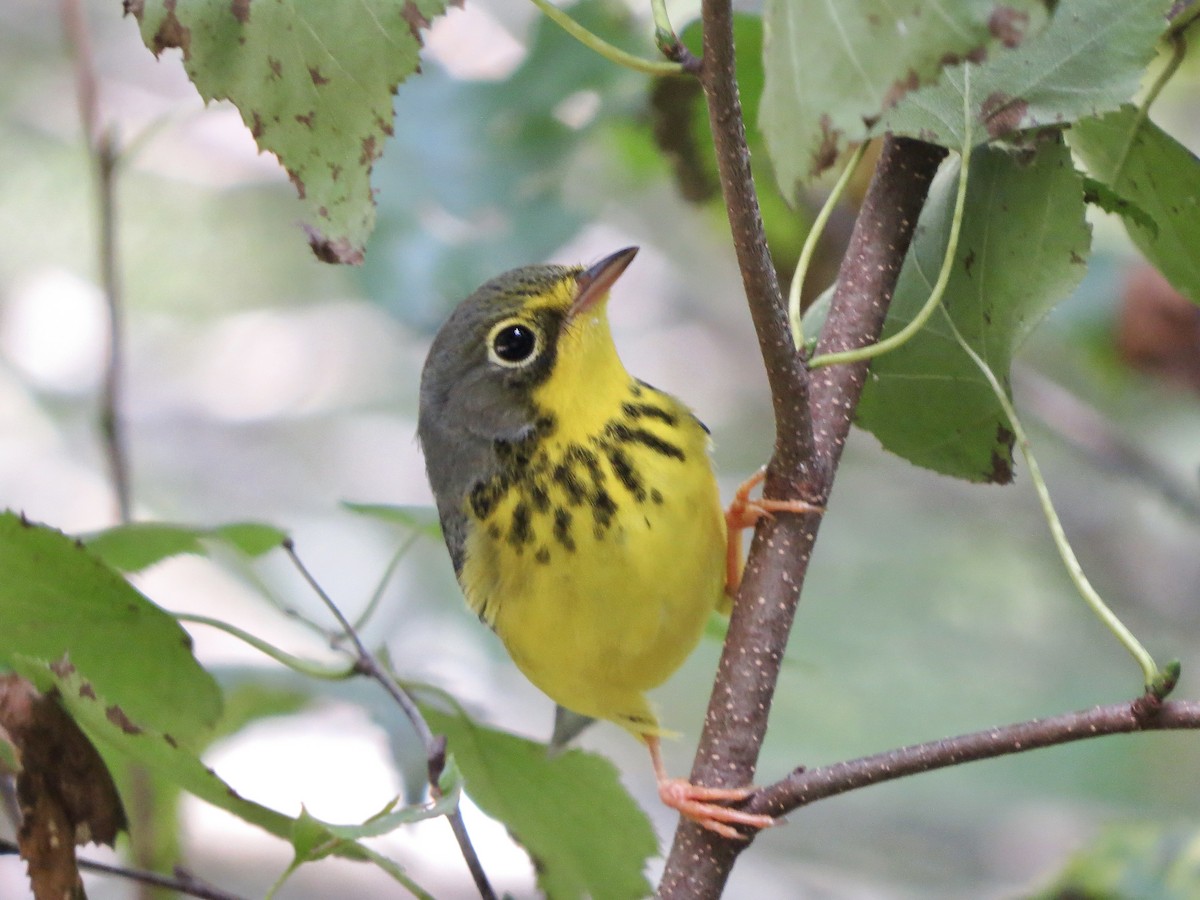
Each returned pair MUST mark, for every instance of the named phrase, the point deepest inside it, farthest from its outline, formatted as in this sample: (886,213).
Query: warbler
(578,503)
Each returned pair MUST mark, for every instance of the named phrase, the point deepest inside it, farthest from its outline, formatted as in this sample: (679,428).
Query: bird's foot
(745,512)
(705,806)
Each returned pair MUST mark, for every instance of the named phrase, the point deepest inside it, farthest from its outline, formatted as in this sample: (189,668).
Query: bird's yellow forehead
(557,295)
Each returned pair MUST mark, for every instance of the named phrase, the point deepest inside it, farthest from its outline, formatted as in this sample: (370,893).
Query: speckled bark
(812,420)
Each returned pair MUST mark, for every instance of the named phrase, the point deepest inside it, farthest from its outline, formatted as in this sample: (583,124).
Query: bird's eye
(513,343)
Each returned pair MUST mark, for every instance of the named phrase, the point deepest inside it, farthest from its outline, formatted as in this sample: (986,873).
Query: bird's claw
(704,806)
(744,513)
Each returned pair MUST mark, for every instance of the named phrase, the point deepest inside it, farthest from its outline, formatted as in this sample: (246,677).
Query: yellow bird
(579,503)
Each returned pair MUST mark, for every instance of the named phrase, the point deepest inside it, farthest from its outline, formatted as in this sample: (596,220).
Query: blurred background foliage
(264,385)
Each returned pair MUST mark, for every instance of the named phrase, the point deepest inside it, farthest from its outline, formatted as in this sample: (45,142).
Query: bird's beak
(594,282)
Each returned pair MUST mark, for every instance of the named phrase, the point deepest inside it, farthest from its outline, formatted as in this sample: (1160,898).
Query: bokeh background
(261,384)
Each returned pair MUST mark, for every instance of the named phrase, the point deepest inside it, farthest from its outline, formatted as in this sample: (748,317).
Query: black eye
(514,343)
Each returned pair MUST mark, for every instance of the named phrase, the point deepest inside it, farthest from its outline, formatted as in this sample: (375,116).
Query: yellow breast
(598,553)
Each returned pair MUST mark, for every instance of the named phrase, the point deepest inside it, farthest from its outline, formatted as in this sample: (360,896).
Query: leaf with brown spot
(65,792)
(1089,59)
(117,716)
(334,65)
(1008,25)
(58,601)
(832,69)
(178,765)
(1002,114)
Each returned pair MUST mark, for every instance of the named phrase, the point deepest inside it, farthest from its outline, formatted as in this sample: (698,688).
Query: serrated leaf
(59,600)
(1023,248)
(120,728)
(422,519)
(1160,176)
(833,68)
(1100,194)
(313,82)
(113,729)
(140,545)
(310,839)
(1088,60)
(586,835)
(393,817)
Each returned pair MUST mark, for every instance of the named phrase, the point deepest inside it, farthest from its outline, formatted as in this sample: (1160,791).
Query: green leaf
(59,600)
(251,538)
(1161,177)
(422,519)
(140,545)
(313,82)
(1023,248)
(158,813)
(1100,194)
(310,838)
(832,68)
(122,729)
(114,730)
(1088,60)
(584,832)
(390,818)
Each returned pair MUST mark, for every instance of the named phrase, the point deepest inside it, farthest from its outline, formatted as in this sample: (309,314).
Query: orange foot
(705,805)
(744,513)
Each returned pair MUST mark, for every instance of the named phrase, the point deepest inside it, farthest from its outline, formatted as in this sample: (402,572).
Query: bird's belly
(599,618)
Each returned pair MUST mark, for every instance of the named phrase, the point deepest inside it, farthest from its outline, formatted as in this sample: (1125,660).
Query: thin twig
(105,156)
(609,51)
(668,41)
(806,786)
(180,883)
(434,745)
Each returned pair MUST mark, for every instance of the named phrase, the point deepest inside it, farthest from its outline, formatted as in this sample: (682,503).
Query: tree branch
(807,786)
(180,883)
(433,745)
(786,371)
(105,156)
(810,433)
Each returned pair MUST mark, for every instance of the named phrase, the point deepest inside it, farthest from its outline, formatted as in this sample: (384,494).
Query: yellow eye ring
(514,343)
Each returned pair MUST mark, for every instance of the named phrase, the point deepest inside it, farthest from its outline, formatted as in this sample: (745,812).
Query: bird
(579,505)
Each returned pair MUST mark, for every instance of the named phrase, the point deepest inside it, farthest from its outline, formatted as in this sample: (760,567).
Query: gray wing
(454,462)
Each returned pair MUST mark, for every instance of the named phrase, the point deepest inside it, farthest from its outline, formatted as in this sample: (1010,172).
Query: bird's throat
(588,384)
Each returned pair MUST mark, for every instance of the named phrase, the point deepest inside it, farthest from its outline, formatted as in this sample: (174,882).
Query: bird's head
(532,341)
